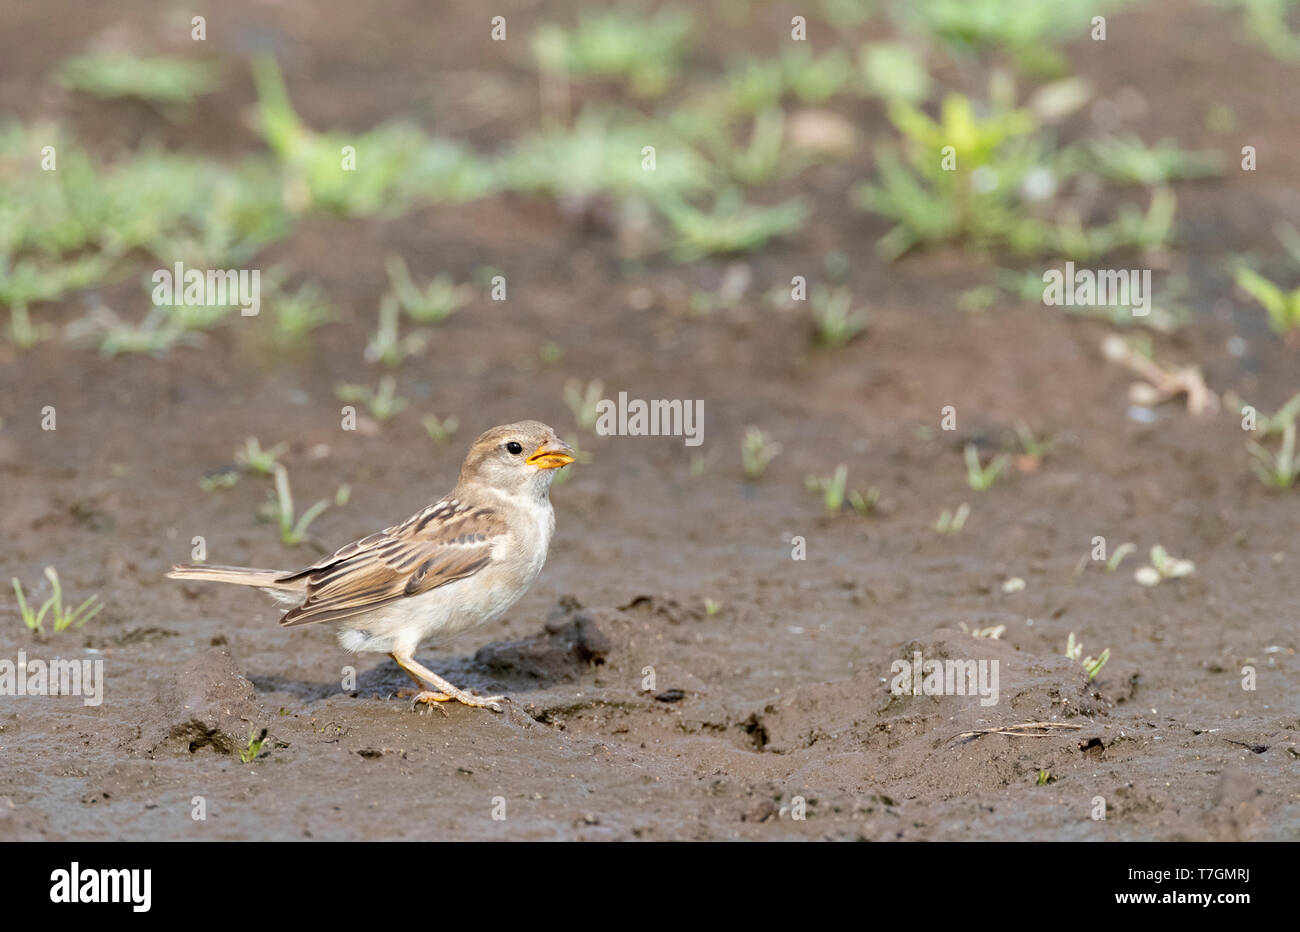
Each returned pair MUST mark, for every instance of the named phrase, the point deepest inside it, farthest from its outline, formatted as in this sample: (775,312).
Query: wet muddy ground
(776,697)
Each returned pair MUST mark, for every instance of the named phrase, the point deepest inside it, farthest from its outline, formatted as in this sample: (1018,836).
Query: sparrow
(457,564)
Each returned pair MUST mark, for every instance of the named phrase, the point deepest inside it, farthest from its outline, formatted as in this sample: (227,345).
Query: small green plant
(403,166)
(1283,307)
(292,532)
(22,332)
(980,477)
(256,739)
(815,80)
(583,401)
(929,200)
(835,492)
(1117,557)
(1276,470)
(441,298)
(712,607)
(894,71)
(387,346)
(382,403)
(764,158)
(60,618)
(1270,424)
(1163,566)
(158,79)
(731,226)
(263,462)
(1126,158)
(757,450)
(1043,777)
(1032,446)
(297,313)
(440,431)
(644,51)
(224,479)
(1074,650)
(951,522)
(835,320)
(155,335)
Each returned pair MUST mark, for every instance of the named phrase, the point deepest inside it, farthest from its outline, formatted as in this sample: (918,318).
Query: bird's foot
(429,696)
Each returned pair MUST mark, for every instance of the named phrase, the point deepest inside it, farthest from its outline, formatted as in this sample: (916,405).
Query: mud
(637,712)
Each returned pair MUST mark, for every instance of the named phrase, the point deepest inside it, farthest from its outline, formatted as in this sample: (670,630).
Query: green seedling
(993,632)
(731,226)
(1163,566)
(836,323)
(864,502)
(643,51)
(299,312)
(155,335)
(440,431)
(1043,776)
(158,79)
(764,159)
(602,155)
(755,86)
(225,479)
(382,403)
(1032,446)
(1283,307)
(263,462)
(952,522)
(932,198)
(386,346)
(980,477)
(835,492)
(22,332)
(1116,558)
(1027,30)
(815,80)
(1074,650)
(757,450)
(894,71)
(60,618)
(1276,470)
(1271,424)
(1126,158)
(402,166)
(441,298)
(292,532)
(256,739)
(712,607)
(1266,22)
(583,401)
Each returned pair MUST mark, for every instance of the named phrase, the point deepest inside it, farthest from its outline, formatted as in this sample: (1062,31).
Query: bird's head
(519,457)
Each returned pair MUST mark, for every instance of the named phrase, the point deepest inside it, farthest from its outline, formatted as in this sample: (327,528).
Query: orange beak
(551,457)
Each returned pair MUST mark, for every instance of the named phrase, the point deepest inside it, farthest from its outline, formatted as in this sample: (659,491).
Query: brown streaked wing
(445,542)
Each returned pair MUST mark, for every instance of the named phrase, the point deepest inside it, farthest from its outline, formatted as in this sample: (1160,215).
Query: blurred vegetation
(692,157)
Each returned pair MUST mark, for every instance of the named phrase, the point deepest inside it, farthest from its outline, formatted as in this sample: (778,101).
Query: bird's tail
(238,575)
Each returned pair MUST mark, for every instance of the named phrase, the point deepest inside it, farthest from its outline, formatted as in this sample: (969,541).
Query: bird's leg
(435,689)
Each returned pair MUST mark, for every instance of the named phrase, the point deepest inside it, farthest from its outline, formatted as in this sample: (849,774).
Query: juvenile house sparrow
(459,563)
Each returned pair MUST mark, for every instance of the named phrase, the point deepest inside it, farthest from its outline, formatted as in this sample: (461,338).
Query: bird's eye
(514,447)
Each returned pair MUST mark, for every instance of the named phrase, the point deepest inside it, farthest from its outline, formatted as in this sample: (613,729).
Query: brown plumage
(460,562)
